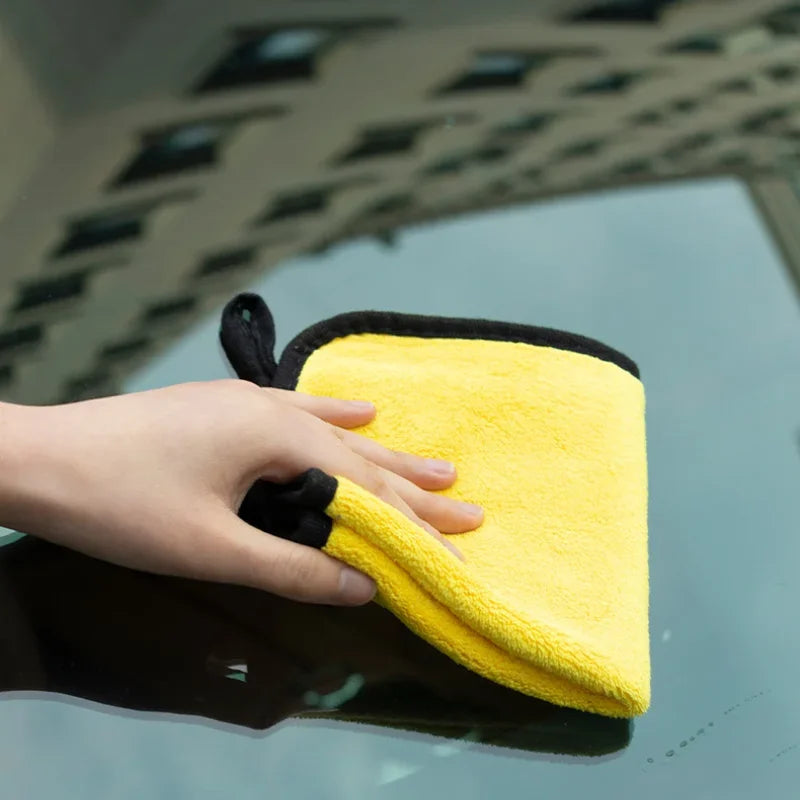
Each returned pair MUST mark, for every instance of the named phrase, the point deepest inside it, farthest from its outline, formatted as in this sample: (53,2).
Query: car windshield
(626,171)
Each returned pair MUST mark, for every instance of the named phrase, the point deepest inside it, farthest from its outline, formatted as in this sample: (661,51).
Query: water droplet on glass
(701,731)
(670,753)
(710,724)
(684,743)
(649,760)
(691,738)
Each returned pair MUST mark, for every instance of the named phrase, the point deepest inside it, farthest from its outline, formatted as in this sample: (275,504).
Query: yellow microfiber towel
(547,430)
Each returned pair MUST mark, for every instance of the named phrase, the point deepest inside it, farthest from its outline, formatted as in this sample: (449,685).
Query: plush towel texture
(547,430)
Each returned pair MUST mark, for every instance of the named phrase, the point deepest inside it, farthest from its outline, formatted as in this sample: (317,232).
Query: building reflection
(148,176)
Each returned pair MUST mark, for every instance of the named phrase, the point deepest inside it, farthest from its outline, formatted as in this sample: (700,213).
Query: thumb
(295,571)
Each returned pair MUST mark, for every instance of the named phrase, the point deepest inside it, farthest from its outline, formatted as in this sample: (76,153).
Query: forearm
(26,476)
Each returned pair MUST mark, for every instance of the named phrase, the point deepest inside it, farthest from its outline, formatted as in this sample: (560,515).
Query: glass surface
(502,170)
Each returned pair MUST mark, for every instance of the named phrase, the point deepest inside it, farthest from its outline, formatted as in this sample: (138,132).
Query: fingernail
(438,467)
(362,405)
(473,510)
(355,587)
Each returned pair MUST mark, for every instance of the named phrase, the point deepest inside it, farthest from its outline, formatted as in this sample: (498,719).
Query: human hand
(153,481)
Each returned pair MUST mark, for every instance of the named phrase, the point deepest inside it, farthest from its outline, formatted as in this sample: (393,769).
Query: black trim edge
(379,322)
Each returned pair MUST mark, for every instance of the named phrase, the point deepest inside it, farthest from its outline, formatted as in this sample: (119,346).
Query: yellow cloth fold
(552,599)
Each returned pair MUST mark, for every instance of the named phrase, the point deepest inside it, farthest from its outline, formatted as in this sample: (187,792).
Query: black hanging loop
(247,335)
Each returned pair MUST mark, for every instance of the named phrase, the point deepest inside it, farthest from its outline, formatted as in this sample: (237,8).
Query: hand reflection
(240,656)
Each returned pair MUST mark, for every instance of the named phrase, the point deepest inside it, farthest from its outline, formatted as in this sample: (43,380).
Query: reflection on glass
(150,643)
(360,110)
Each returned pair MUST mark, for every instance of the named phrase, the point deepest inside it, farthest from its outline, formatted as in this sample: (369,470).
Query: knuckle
(234,385)
(406,464)
(399,459)
(300,571)
(378,484)
(239,394)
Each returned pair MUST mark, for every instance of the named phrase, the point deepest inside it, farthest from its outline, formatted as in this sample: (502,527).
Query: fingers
(379,482)
(444,513)
(288,569)
(311,443)
(410,475)
(344,413)
(427,473)
(393,498)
